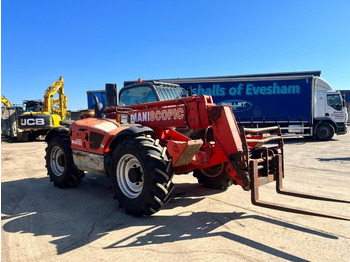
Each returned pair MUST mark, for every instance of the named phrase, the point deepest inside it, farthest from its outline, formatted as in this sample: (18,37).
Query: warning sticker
(106,126)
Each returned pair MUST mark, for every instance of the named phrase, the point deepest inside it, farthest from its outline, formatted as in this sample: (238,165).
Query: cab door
(334,107)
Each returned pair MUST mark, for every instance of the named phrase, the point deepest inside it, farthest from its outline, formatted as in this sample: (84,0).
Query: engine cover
(93,135)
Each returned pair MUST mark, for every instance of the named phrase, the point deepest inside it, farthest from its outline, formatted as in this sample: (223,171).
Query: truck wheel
(141,175)
(325,132)
(59,163)
(214,177)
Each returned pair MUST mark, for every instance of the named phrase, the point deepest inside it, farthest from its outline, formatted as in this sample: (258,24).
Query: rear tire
(214,177)
(59,163)
(325,132)
(141,175)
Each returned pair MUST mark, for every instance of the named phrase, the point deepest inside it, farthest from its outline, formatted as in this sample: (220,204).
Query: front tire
(59,163)
(141,175)
(325,131)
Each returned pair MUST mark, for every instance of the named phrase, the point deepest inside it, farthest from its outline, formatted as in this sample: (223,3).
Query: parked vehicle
(40,116)
(301,103)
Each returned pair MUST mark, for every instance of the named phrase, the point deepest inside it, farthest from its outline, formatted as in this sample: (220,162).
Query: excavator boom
(6,102)
(50,103)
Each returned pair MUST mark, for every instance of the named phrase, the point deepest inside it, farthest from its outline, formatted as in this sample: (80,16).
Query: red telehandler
(153,130)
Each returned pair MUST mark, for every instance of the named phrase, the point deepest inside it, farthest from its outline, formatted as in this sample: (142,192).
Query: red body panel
(161,117)
(93,135)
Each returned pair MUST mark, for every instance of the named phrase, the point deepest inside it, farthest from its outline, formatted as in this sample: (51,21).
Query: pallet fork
(266,165)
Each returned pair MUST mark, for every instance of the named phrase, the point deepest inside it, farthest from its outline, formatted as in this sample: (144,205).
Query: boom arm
(6,102)
(61,101)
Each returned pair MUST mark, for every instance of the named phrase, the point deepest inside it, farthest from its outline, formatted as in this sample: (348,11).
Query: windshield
(33,108)
(137,95)
(334,101)
(145,94)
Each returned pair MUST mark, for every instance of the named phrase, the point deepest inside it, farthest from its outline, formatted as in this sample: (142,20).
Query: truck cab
(33,105)
(329,109)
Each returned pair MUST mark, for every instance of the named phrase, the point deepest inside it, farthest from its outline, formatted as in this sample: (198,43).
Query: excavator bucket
(266,165)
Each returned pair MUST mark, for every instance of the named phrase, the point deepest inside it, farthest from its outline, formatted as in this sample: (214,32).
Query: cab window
(137,95)
(334,101)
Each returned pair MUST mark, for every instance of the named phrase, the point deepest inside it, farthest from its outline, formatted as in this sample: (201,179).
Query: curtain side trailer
(301,103)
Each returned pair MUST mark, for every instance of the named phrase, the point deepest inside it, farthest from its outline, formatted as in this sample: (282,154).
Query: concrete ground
(44,223)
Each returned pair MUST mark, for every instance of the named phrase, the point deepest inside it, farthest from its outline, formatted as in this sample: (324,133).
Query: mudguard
(134,129)
(54,131)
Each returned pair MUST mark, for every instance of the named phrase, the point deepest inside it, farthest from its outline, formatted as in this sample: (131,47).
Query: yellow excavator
(40,116)
(6,102)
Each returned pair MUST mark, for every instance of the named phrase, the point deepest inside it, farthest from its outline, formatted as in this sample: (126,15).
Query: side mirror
(111,95)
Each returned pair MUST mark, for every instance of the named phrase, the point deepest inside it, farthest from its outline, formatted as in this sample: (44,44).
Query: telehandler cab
(153,130)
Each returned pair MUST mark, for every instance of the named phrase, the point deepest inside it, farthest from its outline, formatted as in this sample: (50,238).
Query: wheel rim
(213,171)
(57,161)
(323,132)
(130,176)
